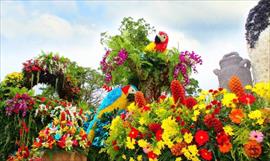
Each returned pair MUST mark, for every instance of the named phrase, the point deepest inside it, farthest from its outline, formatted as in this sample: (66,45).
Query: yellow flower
(228,130)
(131,159)
(160,144)
(193,150)
(257,114)
(156,150)
(188,137)
(130,143)
(124,156)
(132,107)
(228,100)
(142,143)
(248,87)
(139,157)
(262,89)
(260,121)
(169,125)
(196,114)
(178,159)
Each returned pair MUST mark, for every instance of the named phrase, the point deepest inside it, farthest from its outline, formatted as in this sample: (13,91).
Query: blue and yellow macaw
(115,99)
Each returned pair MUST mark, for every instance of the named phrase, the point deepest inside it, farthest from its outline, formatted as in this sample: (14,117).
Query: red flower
(151,155)
(159,135)
(211,121)
(178,92)
(205,154)
(190,102)
(222,138)
(43,99)
(183,131)
(201,137)
(247,99)
(146,108)
(75,142)
(133,133)
(154,127)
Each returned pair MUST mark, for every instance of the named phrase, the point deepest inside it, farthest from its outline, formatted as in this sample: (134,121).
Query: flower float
(217,124)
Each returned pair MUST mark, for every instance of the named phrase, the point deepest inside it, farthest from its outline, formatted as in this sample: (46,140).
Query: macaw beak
(131,97)
(157,39)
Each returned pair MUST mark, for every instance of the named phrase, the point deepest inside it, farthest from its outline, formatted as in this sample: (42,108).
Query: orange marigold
(139,99)
(225,147)
(235,86)
(178,92)
(253,149)
(176,149)
(236,115)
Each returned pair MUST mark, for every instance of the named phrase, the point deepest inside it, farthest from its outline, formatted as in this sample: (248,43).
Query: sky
(72,29)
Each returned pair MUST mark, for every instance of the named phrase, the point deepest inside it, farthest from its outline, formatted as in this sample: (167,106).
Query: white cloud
(29,31)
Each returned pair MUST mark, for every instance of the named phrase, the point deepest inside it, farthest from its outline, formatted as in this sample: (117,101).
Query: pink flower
(256,135)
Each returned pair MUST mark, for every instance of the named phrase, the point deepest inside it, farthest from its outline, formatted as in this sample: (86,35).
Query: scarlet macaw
(160,44)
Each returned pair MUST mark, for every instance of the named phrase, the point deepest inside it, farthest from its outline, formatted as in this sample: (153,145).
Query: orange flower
(236,115)
(176,149)
(253,149)
(139,99)
(225,147)
(235,86)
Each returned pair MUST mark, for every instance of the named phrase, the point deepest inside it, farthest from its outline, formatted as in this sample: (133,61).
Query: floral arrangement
(50,63)
(216,124)
(65,132)
(127,62)
(14,79)
(51,69)
(20,103)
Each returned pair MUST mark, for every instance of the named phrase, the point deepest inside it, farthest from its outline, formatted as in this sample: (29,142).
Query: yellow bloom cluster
(262,89)
(14,77)
(228,130)
(188,137)
(130,143)
(114,128)
(169,126)
(228,100)
(191,152)
(256,115)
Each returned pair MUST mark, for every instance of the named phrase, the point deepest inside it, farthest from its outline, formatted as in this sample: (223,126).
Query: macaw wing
(111,97)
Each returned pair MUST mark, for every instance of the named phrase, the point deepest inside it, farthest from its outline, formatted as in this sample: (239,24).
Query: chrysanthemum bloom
(205,154)
(178,92)
(151,155)
(190,102)
(211,121)
(253,149)
(139,99)
(236,115)
(201,137)
(256,135)
(235,86)
(176,149)
(133,133)
(247,99)
(225,147)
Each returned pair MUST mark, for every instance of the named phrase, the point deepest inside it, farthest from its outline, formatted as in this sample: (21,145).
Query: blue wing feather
(111,97)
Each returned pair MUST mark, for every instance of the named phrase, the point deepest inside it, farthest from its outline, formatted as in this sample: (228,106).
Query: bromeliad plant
(216,124)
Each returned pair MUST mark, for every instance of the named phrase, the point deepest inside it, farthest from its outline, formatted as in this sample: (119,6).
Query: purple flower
(121,57)
(20,103)
(256,135)
(186,60)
